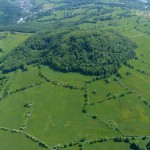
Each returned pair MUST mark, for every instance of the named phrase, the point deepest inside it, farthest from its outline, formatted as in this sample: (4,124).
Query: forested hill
(87,52)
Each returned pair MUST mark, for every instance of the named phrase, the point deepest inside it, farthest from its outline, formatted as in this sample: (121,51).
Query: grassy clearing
(143,49)
(11,41)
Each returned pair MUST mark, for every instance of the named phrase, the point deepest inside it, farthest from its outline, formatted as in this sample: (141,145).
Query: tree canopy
(87,52)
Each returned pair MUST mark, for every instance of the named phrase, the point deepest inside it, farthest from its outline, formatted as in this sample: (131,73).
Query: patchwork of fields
(45,109)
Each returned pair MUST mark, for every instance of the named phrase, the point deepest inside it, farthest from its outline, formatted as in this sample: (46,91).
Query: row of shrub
(27,87)
(143,72)
(115,96)
(86,99)
(106,78)
(125,139)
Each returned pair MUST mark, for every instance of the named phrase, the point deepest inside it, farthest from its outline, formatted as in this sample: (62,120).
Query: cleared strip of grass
(11,41)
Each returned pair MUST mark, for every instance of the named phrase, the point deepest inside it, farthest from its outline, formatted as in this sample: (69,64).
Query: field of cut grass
(10,140)
(56,114)
(107,145)
(129,112)
(62,116)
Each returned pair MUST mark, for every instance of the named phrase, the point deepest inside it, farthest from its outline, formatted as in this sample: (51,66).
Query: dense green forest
(87,52)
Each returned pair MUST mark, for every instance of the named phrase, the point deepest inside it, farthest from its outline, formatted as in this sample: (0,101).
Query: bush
(1,50)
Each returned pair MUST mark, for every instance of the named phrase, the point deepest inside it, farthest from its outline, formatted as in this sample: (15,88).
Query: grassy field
(66,78)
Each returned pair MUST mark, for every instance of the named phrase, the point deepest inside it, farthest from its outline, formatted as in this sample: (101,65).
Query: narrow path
(137,35)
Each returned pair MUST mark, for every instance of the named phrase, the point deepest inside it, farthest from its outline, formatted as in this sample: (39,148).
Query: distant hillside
(9,13)
(12,11)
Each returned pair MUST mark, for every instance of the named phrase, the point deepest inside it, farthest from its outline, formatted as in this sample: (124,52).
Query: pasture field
(107,146)
(136,81)
(108,90)
(17,140)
